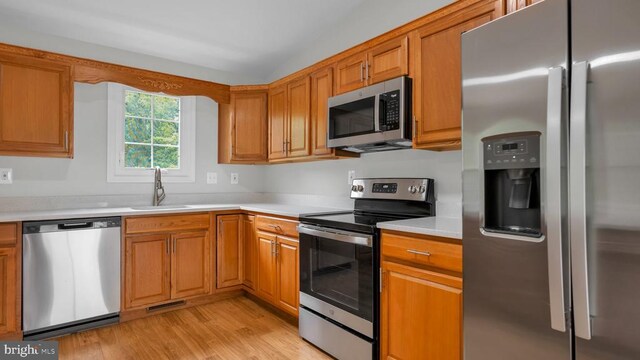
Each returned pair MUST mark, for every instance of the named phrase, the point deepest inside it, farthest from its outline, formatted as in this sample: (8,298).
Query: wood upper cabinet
(266,286)
(515,5)
(382,62)
(242,128)
(421,314)
(36,107)
(388,60)
(277,122)
(8,295)
(148,266)
(229,252)
(435,51)
(321,91)
(287,274)
(298,124)
(250,250)
(190,265)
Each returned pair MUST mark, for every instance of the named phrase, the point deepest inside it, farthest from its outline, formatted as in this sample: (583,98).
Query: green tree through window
(151,130)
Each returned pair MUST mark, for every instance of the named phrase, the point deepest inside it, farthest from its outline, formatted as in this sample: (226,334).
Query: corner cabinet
(166,258)
(436,72)
(385,61)
(421,300)
(10,281)
(242,127)
(36,107)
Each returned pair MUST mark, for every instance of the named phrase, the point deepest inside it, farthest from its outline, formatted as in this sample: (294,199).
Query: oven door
(337,276)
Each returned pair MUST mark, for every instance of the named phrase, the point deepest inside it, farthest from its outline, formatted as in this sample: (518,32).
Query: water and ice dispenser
(511,165)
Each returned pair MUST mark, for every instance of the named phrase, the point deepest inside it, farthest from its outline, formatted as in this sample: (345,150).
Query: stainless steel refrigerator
(551,183)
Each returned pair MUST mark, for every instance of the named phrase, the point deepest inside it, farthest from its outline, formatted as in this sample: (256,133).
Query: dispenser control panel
(510,151)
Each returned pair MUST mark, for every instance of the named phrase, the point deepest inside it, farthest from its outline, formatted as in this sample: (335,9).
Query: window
(148,130)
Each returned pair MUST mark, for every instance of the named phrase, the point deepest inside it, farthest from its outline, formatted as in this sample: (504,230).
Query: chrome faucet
(158,189)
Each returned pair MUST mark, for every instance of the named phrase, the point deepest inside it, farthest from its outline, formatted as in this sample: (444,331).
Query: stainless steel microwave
(374,118)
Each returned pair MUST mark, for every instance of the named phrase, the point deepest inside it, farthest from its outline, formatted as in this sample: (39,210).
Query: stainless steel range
(340,264)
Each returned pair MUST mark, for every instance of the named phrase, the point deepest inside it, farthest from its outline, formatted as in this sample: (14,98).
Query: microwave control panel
(390,110)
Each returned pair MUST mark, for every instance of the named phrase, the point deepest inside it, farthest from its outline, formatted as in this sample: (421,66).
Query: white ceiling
(243,36)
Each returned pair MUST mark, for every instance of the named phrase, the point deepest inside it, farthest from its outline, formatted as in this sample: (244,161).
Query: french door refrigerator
(551,183)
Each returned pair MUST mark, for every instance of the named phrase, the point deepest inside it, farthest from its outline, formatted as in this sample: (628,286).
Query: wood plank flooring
(236,328)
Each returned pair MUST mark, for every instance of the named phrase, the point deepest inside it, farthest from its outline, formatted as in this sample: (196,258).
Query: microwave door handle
(376,114)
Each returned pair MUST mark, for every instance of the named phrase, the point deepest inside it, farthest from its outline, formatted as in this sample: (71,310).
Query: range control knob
(412,189)
(360,188)
(422,189)
(354,188)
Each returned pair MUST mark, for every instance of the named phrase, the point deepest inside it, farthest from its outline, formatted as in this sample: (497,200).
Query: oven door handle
(344,236)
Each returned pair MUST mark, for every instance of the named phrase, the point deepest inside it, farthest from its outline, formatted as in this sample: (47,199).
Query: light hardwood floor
(236,328)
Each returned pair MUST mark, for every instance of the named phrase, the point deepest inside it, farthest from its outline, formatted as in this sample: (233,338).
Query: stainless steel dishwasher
(71,275)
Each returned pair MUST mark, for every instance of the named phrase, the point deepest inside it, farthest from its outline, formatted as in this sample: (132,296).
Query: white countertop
(267,208)
(435,226)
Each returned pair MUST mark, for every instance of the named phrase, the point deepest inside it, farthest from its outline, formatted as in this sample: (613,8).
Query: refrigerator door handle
(577,193)
(553,209)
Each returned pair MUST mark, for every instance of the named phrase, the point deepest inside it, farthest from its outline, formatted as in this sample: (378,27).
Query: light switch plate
(212,178)
(351,176)
(235,178)
(6,176)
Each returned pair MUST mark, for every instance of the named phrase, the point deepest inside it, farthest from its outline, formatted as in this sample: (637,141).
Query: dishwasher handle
(82,225)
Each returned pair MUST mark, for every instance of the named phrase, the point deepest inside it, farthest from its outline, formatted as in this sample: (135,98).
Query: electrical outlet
(212,178)
(351,176)
(235,178)
(6,176)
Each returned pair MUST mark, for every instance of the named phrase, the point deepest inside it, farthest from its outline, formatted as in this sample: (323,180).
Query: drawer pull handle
(419,252)
(276,227)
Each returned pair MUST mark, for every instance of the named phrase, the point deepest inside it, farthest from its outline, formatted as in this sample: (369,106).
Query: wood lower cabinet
(166,258)
(266,287)
(190,265)
(421,300)
(8,296)
(436,54)
(36,107)
(229,254)
(242,128)
(250,251)
(287,271)
(148,267)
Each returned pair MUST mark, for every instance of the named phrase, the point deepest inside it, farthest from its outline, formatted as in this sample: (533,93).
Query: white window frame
(117,172)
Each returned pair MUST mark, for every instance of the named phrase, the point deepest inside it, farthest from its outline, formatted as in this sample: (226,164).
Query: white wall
(86,174)
(368,20)
(330,177)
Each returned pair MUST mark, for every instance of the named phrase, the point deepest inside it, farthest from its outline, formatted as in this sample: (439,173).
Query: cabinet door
(266,285)
(298,126)
(8,280)
(321,91)
(287,274)
(190,265)
(229,254)
(388,60)
(350,73)
(249,121)
(36,98)
(250,250)
(147,270)
(437,77)
(421,314)
(277,122)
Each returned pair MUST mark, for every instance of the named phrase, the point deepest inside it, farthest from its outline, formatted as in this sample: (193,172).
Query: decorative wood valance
(93,72)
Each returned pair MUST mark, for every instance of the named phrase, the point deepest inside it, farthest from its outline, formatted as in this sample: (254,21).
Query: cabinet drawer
(277,226)
(151,224)
(8,234)
(423,250)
